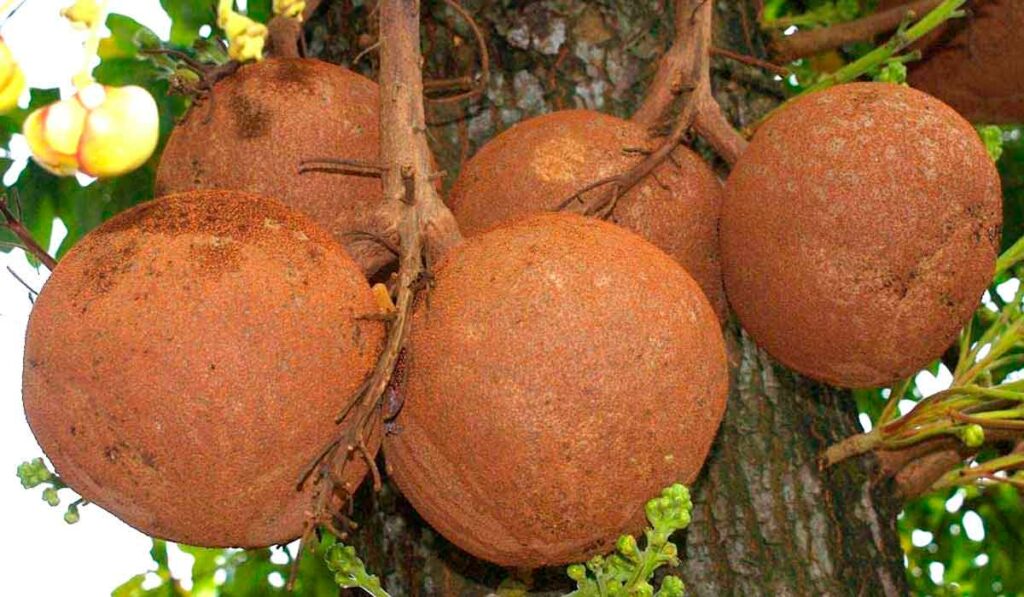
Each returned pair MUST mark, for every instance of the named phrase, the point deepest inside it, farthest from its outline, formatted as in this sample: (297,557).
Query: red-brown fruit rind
(267,118)
(976,63)
(859,230)
(562,371)
(186,361)
(538,163)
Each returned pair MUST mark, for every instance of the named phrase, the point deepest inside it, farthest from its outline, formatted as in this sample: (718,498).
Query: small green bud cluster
(973,436)
(34,473)
(893,71)
(992,137)
(350,572)
(629,570)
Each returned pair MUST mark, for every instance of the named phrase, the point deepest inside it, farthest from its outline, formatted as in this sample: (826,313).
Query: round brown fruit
(859,231)
(562,371)
(185,362)
(538,163)
(267,118)
(974,64)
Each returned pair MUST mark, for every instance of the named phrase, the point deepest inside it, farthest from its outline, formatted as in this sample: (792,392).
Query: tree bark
(767,520)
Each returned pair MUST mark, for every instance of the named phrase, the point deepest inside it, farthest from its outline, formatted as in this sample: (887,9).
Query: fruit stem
(426,228)
(685,67)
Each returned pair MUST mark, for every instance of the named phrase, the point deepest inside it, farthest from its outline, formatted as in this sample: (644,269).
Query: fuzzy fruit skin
(101,131)
(12,79)
(976,64)
(266,119)
(859,231)
(561,371)
(536,164)
(186,360)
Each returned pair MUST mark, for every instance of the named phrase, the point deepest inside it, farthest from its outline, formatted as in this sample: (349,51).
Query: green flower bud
(50,496)
(72,516)
(577,572)
(671,586)
(33,473)
(627,547)
(972,435)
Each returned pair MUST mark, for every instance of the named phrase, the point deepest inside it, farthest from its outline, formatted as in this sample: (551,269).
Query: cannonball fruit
(266,119)
(186,360)
(859,231)
(561,371)
(975,64)
(538,163)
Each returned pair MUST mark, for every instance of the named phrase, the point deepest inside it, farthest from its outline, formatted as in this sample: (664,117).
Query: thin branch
(621,184)
(12,223)
(786,48)
(752,61)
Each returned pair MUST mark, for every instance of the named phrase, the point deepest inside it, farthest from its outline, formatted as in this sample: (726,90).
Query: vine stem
(807,43)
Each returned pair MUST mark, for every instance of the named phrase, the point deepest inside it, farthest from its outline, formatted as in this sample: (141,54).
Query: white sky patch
(981,560)
(974,526)
(929,384)
(936,571)
(865,422)
(956,501)
(919,538)
(1008,289)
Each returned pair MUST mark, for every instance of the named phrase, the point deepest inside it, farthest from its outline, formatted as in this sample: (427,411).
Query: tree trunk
(767,521)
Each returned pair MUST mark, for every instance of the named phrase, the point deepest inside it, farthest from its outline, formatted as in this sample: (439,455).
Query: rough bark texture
(767,521)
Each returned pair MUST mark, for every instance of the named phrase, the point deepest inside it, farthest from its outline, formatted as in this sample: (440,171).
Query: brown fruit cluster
(859,231)
(536,164)
(185,361)
(561,371)
(976,64)
(266,119)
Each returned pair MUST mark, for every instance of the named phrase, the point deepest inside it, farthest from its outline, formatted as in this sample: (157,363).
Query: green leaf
(187,16)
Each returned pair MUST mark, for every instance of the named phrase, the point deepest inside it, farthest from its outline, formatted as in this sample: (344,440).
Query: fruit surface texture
(268,118)
(560,372)
(538,163)
(186,360)
(859,231)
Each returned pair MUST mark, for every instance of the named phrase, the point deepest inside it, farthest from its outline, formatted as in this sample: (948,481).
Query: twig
(13,223)
(751,60)
(686,67)
(622,183)
(342,166)
(32,292)
(477,88)
(807,43)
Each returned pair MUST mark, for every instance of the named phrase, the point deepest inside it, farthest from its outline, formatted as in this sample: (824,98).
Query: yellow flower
(245,36)
(290,8)
(84,13)
(100,131)
(12,79)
